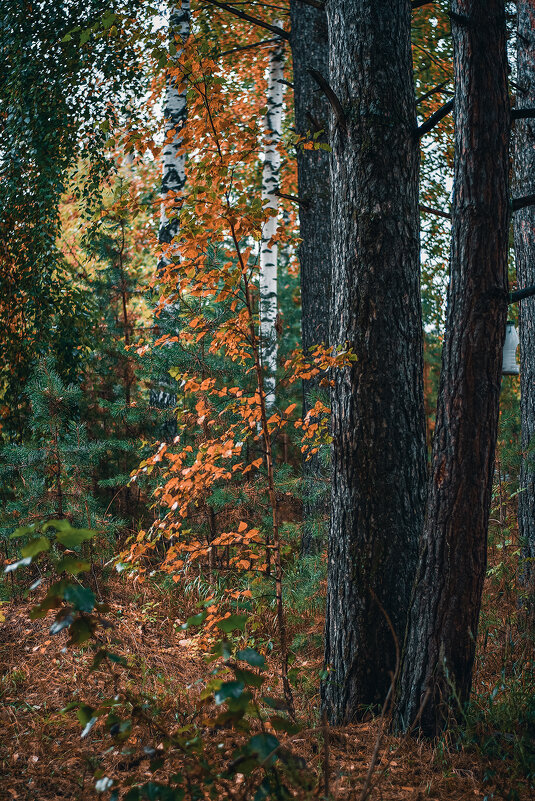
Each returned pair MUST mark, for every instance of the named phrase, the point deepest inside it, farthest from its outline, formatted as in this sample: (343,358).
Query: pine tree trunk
(173,180)
(270,200)
(524,234)
(379,459)
(441,641)
(309,43)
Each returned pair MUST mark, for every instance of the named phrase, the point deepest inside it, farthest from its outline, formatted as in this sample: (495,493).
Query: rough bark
(378,456)
(440,647)
(524,238)
(173,181)
(270,201)
(309,42)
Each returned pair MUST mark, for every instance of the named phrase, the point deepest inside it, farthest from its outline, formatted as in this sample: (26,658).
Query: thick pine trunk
(173,181)
(309,42)
(524,233)
(441,641)
(270,200)
(379,462)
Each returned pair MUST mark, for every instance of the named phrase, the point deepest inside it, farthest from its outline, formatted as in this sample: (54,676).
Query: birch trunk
(524,238)
(309,41)
(378,427)
(437,672)
(173,182)
(268,248)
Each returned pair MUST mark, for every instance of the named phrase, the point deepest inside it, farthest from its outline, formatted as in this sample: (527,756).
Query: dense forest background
(267,511)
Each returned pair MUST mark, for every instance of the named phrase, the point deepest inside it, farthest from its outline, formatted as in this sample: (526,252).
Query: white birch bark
(173,177)
(269,250)
(174,112)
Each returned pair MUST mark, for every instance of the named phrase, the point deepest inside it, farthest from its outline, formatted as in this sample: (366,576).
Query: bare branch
(331,97)
(438,212)
(434,119)
(521,202)
(521,294)
(249,18)
(293,198)
(431,92)
(248,47)
(522,113)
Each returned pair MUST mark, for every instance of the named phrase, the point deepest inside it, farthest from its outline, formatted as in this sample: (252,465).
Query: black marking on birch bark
(434,119)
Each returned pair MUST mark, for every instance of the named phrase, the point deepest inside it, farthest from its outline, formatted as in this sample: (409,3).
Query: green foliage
(41,309)
(51,474)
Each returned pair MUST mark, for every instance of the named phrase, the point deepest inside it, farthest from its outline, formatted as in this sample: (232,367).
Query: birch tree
(173,177)
(440,648)
(524,238)
(268,247)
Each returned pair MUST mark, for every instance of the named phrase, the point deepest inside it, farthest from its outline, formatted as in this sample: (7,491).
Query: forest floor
(42,755)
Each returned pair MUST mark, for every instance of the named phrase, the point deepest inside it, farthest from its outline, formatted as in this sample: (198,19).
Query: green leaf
(84,713)
(108,19)
(70,564)
(59,525)
(119,660)
(283,724)
(252,657)
(228,624)
(229,689)
(22,531)
(84,36)
(80,632)
(74,537)
(263,745)
(196,620)
(82,598)
(36,546)
(249,677)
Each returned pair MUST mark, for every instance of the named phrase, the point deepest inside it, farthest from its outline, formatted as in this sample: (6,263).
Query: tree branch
(243,15)
(434,119)
(522,113)
(518,203)
(431,92)
(293,198)
(331,97)
(438,212)
(248,47)
(521,294)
